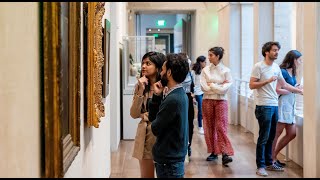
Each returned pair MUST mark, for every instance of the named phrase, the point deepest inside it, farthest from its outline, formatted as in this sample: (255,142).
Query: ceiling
(170,7)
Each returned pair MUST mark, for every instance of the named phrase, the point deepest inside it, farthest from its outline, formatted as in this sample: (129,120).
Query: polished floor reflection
(243,165)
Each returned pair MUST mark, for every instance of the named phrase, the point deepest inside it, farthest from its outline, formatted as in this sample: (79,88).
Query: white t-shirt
(266,95)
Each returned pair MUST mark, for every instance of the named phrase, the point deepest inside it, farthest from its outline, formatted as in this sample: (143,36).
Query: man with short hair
(168,112)
(264,78)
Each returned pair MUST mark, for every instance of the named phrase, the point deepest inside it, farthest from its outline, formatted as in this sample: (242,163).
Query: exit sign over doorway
(161,23)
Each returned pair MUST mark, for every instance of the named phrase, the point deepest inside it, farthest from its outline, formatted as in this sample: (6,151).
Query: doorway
(164,42)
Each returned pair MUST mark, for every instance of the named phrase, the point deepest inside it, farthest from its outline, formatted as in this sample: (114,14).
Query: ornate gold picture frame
(94,61)
(61,85)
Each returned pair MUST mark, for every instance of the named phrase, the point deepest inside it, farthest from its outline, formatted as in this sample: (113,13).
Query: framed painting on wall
(60,49)
(93,62)
(106,52)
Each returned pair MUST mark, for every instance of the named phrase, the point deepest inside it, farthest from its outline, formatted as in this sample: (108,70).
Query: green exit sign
(161,23)
(156,35)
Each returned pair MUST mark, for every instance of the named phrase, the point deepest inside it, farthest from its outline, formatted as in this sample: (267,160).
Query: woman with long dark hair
(198,93)
(151,65)
(287,103)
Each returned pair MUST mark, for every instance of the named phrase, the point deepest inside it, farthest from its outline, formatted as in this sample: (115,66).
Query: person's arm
(222,88)
(164,116)
(153,106)
(255,82)
(204,84)
(288,87)
(193,75)
(135,110)
(281,91)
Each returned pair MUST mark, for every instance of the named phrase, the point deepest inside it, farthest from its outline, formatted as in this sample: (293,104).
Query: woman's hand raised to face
(142,82)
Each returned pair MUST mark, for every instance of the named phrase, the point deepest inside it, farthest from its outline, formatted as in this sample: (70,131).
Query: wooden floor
(243,165)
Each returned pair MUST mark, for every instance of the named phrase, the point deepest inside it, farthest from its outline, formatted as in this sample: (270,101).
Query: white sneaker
(201,131)
(261,172)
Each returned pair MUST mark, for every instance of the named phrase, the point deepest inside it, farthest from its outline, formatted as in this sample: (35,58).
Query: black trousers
(190,117)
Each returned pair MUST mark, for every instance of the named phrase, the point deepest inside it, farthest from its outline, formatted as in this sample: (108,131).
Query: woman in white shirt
(196,73)
(215,82)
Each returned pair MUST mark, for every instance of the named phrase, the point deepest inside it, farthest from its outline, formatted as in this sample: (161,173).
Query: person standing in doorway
(287,104)
(198,93)
(168,112)
(215,82)
(264,77)
(150,73)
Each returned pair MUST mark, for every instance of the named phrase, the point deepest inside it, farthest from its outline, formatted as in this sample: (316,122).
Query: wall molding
(224,5)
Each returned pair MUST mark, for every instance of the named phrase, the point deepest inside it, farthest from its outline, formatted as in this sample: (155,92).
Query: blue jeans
(199,100)
(172,170)
(267,118)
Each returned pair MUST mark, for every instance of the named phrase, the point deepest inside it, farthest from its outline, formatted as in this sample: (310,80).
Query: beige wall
(19,90)
(206,31)
(311,74)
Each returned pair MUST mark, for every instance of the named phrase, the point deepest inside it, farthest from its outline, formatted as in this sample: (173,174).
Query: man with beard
(264,78)
(168,112)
